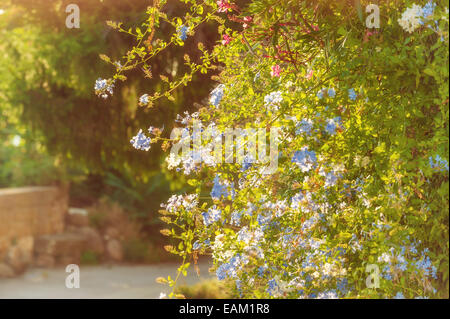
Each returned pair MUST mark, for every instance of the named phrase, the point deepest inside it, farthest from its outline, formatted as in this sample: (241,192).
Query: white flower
(327,269)
(411,18)
(273,100)
(144,99)
(384,257)
(327,295)
(228,254)
(244,235)
(103,87)
(162,295)
(288,84)
(173,161)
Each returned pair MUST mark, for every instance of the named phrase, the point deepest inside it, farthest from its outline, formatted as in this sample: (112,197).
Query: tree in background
(48,72)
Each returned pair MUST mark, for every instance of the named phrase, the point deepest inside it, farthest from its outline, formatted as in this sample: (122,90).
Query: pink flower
(309,74)
(224,5)
(276,70)
(368,34)
(226,39)
(247,20)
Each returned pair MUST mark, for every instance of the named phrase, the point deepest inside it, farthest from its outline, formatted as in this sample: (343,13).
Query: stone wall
(28,212)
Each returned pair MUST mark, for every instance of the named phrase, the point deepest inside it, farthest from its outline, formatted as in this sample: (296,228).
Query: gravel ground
(98,282)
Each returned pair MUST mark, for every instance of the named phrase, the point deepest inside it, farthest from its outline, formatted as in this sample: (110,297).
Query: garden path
(103,281)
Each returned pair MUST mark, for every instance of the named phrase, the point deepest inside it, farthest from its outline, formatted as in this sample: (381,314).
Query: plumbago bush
(357,205)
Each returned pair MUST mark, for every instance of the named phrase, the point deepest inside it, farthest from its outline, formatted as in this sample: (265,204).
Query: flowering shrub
(362,174)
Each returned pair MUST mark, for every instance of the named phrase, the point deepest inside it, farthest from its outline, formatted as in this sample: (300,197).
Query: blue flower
(399,295)
(102,87)
(211,216)
(438,163)
(296,200)
(273,99)
(304,159)
(304,126)
(239,287)
(427,10)
(182,32)
(387,276)
(330,179)
(100,84)
(402,266)
(229,269)
(273,287)
(332,124)
(342,286)
(434,272)
(247,163)
(222,189)
(428,268)
(331,92)
(320,93)
(263,220)
(217,95)
(352,94)
(141,141)
(261,271)
(236,218)
(222,271)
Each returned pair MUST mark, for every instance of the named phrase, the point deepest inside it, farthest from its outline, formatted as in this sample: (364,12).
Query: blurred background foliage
(54,129)
(206,289)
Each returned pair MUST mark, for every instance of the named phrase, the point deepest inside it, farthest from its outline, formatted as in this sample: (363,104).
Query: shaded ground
(98,282)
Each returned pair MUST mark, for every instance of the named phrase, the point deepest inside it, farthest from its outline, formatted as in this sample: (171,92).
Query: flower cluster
(182,32)
(352,94)
(276,71)
(176,202)
(304,126)
(222,189)
(332,125)
(416,16)
(223,5)
(226,39)
(217,95)
(103,87)
(140,141)
(330,92)
(211,216)
(304,159)
(272,100)
(438,163)
(144,100)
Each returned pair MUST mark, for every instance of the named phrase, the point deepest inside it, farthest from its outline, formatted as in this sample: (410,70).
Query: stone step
(66,248)
(59,249)
(63,244)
